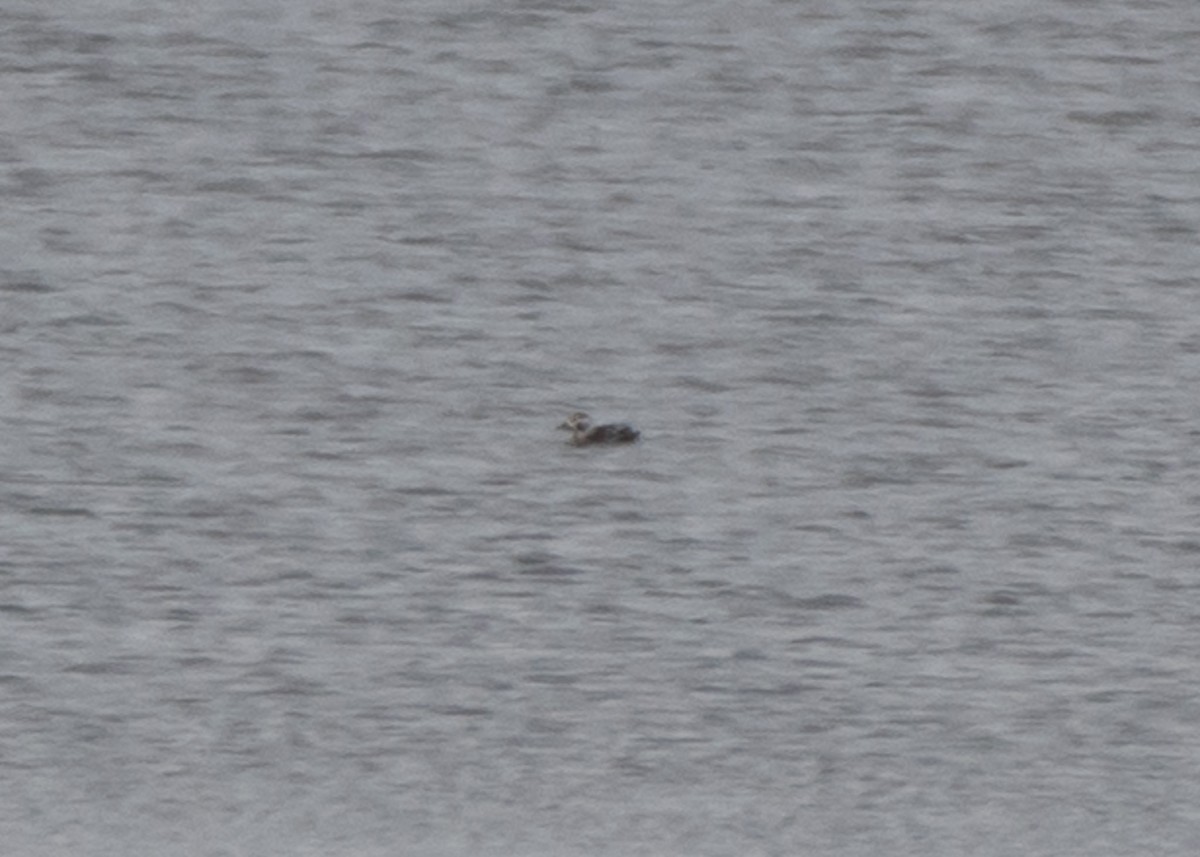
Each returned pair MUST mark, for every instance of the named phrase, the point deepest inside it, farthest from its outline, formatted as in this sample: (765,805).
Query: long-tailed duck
(583,433)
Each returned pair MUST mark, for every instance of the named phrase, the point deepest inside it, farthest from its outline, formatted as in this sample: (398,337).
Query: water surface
(902,296)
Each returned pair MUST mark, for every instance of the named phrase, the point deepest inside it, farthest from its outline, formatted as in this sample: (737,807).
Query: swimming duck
(583,433)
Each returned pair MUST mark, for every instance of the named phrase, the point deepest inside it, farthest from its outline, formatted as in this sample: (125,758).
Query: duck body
(583,433)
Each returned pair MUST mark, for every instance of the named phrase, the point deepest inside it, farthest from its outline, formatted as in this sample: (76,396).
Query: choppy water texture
(903,296)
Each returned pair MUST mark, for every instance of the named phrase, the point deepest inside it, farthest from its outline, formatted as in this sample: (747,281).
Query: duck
(583,433)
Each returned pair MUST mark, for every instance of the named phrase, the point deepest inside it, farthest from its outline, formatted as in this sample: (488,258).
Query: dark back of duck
(611,434)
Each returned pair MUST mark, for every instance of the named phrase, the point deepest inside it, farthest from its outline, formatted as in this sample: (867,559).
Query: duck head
(577,422)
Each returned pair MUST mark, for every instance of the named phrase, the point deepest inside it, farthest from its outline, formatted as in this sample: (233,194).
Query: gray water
(903,296)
